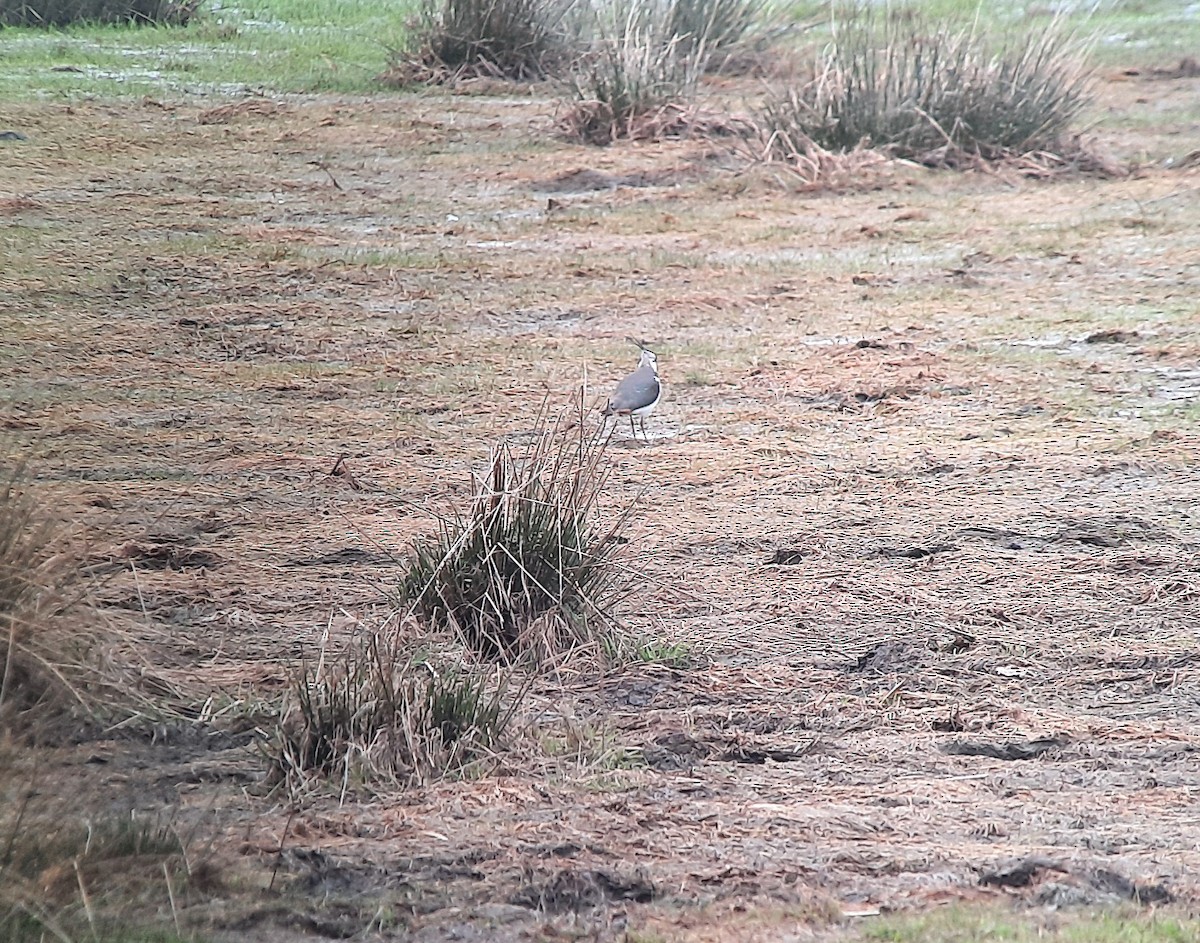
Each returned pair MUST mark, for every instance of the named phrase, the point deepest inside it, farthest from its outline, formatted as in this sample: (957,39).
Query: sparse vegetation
(528,573)
(111,838)
(985,925)
(65,878)
(33,682)
(588,746)
(932,92)
(377,712)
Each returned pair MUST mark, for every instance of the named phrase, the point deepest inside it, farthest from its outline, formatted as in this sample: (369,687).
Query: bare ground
(923,484)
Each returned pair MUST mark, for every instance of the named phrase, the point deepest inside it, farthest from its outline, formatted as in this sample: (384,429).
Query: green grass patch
(1149,33)
(677,655)
(962,925)
(283,45)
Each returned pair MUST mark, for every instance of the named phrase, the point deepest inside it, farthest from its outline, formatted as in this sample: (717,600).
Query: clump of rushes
(718,25)
(528,573)
(639,77)
(932,92)
(37,647)
(378,712)
(512,39)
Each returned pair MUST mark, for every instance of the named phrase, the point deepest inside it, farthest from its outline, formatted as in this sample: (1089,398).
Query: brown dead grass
(303,344)
(595,122)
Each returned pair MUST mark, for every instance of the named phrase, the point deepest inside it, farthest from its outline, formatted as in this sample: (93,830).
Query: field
(920,504)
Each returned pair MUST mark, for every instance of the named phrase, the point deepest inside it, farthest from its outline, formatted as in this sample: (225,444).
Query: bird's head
(648,358)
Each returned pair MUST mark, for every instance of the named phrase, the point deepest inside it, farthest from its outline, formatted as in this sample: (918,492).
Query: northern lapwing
(638,394)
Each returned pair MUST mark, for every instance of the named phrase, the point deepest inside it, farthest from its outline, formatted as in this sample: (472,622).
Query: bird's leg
(632,431)
(642,423)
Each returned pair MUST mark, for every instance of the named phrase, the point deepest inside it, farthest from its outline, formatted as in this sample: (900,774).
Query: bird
(638,394)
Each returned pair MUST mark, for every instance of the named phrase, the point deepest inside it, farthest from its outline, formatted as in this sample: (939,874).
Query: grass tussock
(58,13)
(720,26)
(509,39)
(640,74)
(639,77)
(932,92)
(378,711)
(64,663)
(37,651)
(528,573)
(108,878)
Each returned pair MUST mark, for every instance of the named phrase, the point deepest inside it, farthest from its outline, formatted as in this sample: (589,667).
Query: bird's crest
(649,358)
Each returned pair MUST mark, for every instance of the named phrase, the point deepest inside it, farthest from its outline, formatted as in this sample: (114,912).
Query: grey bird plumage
(638,394)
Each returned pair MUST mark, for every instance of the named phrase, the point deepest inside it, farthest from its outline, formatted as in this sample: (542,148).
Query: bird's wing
(637,390)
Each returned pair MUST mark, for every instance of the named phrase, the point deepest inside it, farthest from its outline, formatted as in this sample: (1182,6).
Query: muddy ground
(923,488)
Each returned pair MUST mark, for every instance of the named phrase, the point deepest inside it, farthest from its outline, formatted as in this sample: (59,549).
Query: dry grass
(811,167)
(23,541)
(65,662)
(70,870)
(909,504)
(511,39)
(638,74)
(941,94)
(381,710)
(37,682)
(529,574)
